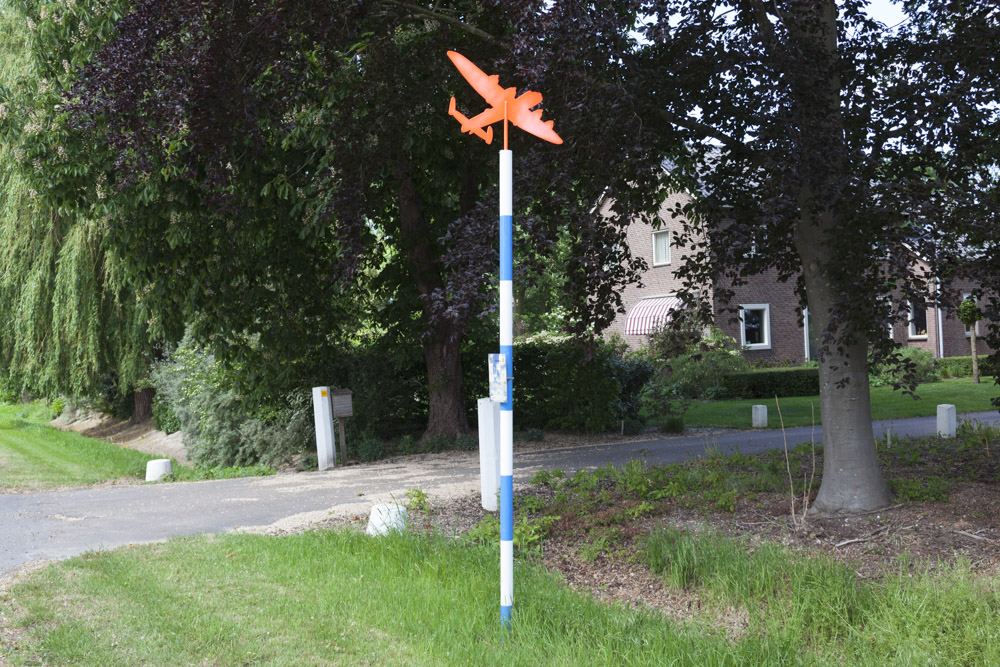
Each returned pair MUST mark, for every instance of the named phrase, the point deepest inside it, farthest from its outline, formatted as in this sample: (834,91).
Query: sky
(885,11)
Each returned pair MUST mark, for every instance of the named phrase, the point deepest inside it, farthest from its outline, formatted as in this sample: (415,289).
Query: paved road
(44,526)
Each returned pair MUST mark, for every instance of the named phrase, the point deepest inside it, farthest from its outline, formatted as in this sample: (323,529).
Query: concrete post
(323,415)
(489,452)
(759,416)
(947,420)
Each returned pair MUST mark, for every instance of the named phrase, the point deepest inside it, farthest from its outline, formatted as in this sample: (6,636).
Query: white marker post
(507,407)
(323,414)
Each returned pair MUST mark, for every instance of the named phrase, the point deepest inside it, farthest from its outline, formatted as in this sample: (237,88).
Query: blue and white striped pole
(507,407)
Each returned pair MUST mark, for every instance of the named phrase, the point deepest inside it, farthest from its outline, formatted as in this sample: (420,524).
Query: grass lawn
(34,456)
(340,597)
(886,404)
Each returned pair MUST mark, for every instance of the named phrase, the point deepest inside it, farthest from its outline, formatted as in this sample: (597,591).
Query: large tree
(857,160)
(265,157)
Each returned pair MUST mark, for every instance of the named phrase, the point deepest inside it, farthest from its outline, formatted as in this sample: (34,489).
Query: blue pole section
(507,407)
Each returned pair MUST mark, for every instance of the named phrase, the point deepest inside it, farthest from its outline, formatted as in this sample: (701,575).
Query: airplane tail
(486,135)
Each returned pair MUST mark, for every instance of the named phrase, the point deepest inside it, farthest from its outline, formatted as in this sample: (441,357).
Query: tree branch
(703,129)
(418,11)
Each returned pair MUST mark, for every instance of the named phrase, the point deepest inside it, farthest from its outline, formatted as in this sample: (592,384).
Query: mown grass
(35,456)
(886,404)
(946,618)
(336,598)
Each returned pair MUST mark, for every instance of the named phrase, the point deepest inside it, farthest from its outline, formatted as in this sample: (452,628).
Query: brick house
(769,326)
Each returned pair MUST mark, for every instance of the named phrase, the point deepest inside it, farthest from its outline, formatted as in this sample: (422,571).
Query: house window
(661,248)
(755,329)
(968,334)
(918,320)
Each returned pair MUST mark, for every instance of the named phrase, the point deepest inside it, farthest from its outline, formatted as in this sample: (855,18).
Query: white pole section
(323,414)
(507,407)
(489,452)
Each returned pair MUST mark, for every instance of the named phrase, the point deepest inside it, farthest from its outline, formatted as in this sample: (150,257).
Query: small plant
(58,405)
(533,435)
(548,478)
(601,542)
(642,509)
(487,531)
(529,533)
(916,490)
(466,443)
(532,504)
(672,424)
(417,501)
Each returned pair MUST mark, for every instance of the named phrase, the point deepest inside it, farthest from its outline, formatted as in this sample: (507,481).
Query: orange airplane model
(504,105)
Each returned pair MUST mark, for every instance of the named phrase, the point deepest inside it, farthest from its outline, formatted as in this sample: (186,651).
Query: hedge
(779,382)
(958,367)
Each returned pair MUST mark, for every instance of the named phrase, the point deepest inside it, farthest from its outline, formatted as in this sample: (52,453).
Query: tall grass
(338,597)
(820,606)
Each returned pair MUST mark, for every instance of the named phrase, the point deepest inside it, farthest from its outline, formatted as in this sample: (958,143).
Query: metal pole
(507,407)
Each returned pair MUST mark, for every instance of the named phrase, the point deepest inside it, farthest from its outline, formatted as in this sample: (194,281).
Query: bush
(466,443)
(220,427)
(700,367)
(564,384)
(164,418)
(920,363)
(961,367)
(366,448)
(779,382)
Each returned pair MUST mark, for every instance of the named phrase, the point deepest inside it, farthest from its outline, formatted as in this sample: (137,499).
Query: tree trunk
(852,480)
(447,396)
(442,343)
(975,357)
(142,402)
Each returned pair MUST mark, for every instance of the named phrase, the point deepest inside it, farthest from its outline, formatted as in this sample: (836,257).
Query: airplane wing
(487,86)
(531,121)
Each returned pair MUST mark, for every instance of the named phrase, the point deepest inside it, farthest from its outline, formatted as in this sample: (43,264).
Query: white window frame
(766,322)
(910,330)
(662,231)
(968,333)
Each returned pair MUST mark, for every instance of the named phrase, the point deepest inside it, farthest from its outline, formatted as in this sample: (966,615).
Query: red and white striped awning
(649,314)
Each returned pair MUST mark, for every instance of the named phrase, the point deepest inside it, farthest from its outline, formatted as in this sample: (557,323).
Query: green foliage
(607,383)
(466,443)
(961,367)
(930,487)
(366,448)
(529,532)
(220,427)
(920,363)
(200,473)
(769,383)
(968,312)
(434,444)
(533,435)
(164,418)
(550,478)
(417,501)
(57,406)
(672,424)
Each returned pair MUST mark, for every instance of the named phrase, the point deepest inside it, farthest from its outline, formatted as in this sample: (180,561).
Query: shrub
(779,382)
(220,427)
(434,443)
(700,366)
(913,360)
(564,384)
(533,435)
(960,367)
(366,448)
(164,417)
(466,443)
(672,424)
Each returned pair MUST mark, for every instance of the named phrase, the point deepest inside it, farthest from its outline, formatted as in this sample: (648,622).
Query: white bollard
(157,469)
(386,518)
(947,420)
(759,419)
(489,452)
(323,414)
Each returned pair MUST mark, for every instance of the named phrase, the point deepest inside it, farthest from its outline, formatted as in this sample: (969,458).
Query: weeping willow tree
(72,321)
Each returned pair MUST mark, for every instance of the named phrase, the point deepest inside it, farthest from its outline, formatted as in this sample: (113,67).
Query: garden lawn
(34,456)
(886,405)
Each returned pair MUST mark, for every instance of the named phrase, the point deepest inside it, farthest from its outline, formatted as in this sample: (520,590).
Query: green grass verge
(886,404)
(910,618)
(335,597)
(35,456)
